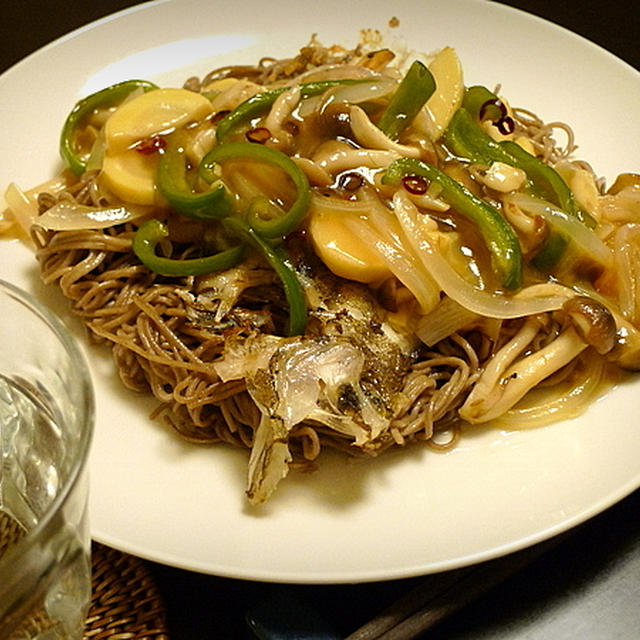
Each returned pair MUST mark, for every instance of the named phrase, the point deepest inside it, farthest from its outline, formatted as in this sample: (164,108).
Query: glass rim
(87,410)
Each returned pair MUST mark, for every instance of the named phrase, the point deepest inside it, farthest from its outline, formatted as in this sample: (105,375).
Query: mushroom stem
(626,351)
(337,158)
(368,135)
(518,379)
(500,360)
(283,106)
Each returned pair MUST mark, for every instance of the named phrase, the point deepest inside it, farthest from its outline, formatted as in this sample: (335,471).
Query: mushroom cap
(593,321)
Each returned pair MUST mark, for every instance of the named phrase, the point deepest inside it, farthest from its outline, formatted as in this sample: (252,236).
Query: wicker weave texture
(125,603)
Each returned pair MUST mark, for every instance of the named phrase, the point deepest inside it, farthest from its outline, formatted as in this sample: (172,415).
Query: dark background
(25,25)
(586,586)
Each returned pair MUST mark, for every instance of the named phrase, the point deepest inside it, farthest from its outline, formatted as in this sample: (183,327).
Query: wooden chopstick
(439,596)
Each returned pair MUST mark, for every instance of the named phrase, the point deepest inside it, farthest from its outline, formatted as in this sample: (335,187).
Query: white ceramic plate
(409,512)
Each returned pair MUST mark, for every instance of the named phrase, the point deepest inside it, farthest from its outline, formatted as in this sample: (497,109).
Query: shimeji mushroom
(506,379)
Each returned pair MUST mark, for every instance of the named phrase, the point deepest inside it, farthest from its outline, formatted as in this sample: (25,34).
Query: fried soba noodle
(347,249)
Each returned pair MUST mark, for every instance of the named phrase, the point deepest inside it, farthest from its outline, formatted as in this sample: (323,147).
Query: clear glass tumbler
(46,423)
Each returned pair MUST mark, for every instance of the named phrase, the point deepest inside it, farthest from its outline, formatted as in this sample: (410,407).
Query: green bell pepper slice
(547,181)
(151,232)
(481,103)
(550,253)
(172,183)
(497,233)
(280,262)
(108,97)
(267,228)
(261,102)
(465,139)
(414,90)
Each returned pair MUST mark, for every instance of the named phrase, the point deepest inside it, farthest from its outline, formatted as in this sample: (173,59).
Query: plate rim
(364,575)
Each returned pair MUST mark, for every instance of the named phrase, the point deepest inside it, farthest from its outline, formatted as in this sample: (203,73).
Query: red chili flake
(219,115)
(506,125)
(297,234)
(415,184)
(351,181)
(259,135)
(152,145)
(490,105)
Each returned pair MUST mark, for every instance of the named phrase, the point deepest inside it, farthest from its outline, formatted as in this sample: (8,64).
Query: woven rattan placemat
(125,601)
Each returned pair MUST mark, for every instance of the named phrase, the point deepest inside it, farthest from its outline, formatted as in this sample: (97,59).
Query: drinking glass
(46,423)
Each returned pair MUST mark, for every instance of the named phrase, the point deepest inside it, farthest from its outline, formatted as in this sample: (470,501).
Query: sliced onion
(568,225)
(399,262)
(530,300)
(96,156)
(337,72)
(626,245)
(340,206)
(379,87)
(379,228)
(24,207)
(447,318)
(236,93)
(71,216)
(54,186)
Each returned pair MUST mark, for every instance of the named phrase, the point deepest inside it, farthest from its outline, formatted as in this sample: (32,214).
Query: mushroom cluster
(513,371)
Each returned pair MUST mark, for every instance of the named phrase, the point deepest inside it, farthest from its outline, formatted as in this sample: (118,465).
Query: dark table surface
(585,586)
